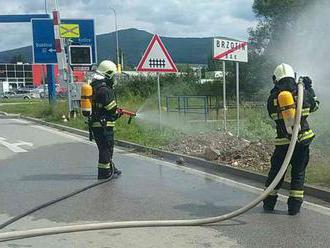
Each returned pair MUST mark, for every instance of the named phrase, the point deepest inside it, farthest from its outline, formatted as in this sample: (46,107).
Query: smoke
(307,49)
(306,46)
(188,122)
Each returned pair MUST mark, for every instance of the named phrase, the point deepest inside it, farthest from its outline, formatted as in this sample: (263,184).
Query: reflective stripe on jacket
(309,134)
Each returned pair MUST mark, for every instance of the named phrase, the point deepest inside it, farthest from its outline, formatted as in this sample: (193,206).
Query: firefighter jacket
(104,105)
(309,105)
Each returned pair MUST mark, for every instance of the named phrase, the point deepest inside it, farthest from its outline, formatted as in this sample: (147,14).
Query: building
(21,75)
(17,75)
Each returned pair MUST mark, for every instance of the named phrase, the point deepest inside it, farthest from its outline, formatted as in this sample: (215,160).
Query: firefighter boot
(269,202)
(104,173)
(294,205)
(116,171)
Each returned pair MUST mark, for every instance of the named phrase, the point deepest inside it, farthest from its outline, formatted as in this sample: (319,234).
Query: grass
(255,125)
(318,173)
(147,135)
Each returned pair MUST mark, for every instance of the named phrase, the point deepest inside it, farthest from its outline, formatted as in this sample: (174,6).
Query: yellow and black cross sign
(69,31)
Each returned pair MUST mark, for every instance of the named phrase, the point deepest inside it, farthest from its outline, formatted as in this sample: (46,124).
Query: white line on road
(15,147)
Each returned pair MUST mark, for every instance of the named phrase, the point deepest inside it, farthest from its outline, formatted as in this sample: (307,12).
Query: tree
(276,19)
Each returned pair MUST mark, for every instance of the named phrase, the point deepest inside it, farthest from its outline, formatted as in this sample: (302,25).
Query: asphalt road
(38,164)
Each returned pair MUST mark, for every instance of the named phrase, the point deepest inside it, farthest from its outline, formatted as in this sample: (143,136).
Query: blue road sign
(21,18)
(87,34)
(44,51)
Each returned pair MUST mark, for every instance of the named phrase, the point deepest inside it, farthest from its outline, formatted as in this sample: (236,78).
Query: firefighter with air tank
(98,103)
(281,108)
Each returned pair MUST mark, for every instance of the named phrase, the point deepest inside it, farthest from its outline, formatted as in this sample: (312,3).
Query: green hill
(133,42)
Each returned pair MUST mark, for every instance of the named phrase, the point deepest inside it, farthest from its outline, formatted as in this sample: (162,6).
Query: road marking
(15,147)
(242,186)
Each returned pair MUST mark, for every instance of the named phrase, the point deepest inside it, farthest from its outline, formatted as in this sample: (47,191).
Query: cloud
(175,18)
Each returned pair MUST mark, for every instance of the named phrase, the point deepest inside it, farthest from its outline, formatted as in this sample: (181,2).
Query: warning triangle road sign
(156,58)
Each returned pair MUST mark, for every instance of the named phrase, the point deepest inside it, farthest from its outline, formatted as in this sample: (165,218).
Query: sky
(171,18)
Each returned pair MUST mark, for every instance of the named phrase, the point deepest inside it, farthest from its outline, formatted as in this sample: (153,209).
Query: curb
(314,191)
(8,116)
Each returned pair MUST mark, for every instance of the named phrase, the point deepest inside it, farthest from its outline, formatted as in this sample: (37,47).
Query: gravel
(226,148)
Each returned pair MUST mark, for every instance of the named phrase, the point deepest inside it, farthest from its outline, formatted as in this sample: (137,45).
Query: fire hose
(15,235)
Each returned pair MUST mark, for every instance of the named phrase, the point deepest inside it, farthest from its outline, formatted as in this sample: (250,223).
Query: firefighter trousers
(298,163)
(104,138)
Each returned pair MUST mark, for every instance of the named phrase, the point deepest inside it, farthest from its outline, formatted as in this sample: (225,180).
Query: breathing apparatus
(105,71)
(287,108)
(86,99)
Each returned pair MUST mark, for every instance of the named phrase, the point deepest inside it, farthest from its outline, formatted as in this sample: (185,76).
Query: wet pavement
(51,163)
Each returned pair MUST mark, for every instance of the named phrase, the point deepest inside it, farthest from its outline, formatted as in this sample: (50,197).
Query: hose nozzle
(130,114)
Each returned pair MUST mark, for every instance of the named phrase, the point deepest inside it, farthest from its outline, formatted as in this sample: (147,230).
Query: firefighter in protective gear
(284,80)
(103,117)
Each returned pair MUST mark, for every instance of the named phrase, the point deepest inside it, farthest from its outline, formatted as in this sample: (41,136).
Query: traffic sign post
(224,96)
(157,59)
(51,84)
(237,97)
(44,50)
(230,50)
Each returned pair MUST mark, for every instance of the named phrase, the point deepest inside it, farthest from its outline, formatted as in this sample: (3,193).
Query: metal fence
(205,108)
(187,105)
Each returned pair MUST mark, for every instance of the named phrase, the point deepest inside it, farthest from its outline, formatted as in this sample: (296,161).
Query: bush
(144,87)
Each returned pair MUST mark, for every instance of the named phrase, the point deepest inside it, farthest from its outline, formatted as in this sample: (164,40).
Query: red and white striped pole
(60,53)
(59,45)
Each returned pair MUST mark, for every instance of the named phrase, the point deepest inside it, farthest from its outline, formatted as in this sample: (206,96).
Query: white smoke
(307,48)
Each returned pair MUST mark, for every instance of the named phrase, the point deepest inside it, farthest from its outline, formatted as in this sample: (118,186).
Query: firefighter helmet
(283,71)
(107,69)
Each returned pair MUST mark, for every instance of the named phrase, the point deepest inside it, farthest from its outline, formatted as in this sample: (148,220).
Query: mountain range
(133,43)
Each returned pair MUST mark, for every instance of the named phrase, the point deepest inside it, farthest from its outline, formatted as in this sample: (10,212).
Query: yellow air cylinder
(288,109)
(86,100)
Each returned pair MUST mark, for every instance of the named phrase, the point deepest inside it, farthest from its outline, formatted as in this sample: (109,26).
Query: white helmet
(283,71)
(107,69)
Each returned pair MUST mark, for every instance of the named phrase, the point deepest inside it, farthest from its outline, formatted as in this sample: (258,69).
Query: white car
(21,93)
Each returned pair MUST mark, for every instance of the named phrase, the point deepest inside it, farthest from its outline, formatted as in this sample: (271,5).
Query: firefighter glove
(307,82)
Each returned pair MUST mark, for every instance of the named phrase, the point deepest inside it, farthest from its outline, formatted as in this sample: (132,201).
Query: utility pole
(117,40)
